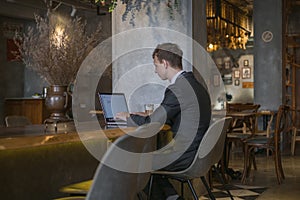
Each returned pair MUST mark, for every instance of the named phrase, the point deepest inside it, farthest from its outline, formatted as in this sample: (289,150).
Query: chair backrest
(242,107)
(15,120)
(283,123)
(295,114)
(211,148)
(269,129)
(122,177)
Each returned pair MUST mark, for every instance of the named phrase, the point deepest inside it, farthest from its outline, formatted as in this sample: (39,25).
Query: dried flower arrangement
(56,47)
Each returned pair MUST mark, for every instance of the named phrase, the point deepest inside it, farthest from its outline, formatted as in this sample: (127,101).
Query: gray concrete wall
(11,72)
(267,16)
(149,88)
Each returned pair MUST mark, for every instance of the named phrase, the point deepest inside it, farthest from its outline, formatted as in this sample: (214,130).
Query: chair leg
(207,188)
(192,189)
(218,173)
(251,160)
(254,163)
(227,152)
(221,165)
(209,174)
(278,166)
(278,162)
(150,187)
(246,162)
(182,189)
(293,142)
(139,196)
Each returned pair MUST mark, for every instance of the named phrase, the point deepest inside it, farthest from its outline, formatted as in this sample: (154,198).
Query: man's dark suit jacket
(186,107)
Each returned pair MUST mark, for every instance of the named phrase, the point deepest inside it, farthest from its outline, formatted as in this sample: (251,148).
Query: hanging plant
(133,6)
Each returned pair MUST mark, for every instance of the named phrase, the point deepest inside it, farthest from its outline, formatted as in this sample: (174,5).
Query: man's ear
(166,63)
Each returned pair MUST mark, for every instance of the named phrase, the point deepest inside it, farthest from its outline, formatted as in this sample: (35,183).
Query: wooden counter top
(34,135)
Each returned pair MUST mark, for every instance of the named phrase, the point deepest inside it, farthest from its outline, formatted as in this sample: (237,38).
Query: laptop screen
(112,103)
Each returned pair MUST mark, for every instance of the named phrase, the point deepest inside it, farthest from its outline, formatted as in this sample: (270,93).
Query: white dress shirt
(176,76)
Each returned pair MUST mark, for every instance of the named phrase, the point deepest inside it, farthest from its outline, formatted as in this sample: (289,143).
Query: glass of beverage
(149,108)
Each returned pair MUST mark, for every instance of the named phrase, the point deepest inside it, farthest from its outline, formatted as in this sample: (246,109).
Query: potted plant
(55,49)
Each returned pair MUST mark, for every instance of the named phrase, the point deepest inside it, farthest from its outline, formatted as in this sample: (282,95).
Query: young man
(186,107)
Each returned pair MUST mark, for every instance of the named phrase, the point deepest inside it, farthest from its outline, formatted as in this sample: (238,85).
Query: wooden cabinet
(32,108)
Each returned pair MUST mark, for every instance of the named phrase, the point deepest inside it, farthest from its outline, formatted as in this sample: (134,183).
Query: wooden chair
(295,131)
(271,143)
(239,125)
(295,138)
(241,128)
(268,130)
(15,121)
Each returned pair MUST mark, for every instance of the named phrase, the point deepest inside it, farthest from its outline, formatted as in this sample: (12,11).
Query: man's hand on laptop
(122,116)
(125,115)
(144,114)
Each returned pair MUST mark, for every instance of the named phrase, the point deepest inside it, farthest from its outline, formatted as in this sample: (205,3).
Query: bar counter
(35,164)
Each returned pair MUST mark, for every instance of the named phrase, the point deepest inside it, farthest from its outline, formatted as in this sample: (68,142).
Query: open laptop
(111,104)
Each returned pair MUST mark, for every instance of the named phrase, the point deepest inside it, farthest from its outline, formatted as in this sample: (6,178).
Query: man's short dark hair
(169,52)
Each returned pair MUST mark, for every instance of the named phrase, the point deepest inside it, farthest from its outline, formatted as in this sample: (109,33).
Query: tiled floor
(265,176)
(239,192)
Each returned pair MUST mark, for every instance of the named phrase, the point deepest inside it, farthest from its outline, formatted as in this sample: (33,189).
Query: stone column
(268,53)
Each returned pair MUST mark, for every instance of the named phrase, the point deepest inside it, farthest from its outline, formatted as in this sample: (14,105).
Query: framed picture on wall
(216,80)
(227,64)
(236,82)
(12,51)
(246,72)
(227,79)
(219,62)
(236,73)
(246,63)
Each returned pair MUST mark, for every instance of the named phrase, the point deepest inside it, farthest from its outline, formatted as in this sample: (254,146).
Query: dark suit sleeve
(168,109)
